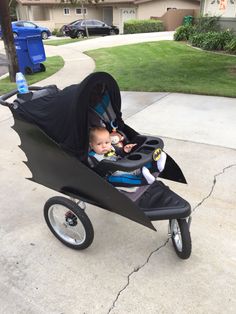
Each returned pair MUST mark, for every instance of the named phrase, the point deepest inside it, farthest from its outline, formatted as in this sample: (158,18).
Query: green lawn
(53,64)
(59,42)
(168,66)
(64,41)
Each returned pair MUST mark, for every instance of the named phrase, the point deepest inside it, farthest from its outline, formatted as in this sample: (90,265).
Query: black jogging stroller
(53,126)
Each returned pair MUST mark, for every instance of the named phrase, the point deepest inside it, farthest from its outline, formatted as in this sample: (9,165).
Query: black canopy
(58,122)
(63,115)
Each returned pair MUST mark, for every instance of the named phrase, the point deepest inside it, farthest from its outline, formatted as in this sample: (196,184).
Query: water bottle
(21,83)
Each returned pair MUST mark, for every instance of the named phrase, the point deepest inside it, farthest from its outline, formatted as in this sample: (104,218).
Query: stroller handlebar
(14,92)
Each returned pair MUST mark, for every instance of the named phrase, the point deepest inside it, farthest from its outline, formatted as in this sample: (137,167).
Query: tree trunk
(84,18)
(8,39)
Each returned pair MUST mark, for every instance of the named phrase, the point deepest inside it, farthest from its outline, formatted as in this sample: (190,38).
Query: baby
(100,143)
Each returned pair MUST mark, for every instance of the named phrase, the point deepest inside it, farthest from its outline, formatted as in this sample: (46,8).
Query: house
(54,13)
(226,9)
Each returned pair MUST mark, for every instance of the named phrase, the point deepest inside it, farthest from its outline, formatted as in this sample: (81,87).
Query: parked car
(26,28)
(95,27)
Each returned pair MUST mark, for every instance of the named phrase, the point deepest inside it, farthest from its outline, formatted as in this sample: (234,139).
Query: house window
(79,11)
(66,11)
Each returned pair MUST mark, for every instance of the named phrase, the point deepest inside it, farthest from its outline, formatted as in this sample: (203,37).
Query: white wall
(159,8)
(214,8)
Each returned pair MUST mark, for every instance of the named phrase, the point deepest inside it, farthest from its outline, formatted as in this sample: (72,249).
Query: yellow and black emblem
(110,153)
(156,154)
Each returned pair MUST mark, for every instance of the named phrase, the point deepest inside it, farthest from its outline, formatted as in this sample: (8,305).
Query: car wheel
(44,35)
(15,35)
(80,34)
(112,32)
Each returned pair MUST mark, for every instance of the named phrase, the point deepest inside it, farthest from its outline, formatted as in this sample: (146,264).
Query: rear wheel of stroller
(68,222)
(181,238)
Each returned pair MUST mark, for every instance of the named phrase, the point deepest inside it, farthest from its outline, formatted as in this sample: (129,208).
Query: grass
(168,66)
(53,64)
(64,41)
(59,42)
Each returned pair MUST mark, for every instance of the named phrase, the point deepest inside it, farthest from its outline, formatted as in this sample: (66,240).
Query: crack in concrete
(163,245)
(213,186)
(132,272)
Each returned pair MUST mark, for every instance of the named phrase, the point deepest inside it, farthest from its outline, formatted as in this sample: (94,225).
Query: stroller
(53,126)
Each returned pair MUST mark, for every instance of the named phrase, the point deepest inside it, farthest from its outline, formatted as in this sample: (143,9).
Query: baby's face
(101,143)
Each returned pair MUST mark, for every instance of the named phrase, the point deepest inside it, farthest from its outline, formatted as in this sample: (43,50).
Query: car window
(98,23)
(28,24)
(18,24)
(89,23)
(75,22)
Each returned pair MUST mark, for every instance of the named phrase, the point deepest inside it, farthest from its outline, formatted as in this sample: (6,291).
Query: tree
(81,3)
(8,39)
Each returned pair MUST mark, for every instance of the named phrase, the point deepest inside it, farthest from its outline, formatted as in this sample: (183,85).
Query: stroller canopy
(64,114)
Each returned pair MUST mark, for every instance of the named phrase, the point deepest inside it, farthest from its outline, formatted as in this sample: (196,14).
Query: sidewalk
(128,268)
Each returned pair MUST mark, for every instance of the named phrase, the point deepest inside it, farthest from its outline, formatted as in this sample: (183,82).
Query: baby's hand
(128,147)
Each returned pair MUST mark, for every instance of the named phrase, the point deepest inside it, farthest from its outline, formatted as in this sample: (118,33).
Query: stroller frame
(40,114)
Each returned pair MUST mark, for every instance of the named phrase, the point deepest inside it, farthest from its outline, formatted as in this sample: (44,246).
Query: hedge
(143,26)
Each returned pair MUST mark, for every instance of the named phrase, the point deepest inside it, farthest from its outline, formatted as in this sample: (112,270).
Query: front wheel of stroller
(181,239)
(68,222)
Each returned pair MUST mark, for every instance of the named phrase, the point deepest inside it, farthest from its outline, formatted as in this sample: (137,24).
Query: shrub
(197,39)
(184,32)
(143,26)
(231,46)
(211,40)
(206,24)
(57,32)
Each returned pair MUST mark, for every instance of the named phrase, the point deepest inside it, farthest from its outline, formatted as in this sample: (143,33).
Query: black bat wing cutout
(56,169)
(172,171)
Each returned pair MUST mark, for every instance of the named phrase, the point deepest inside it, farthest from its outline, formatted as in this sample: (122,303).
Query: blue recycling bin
(30,53)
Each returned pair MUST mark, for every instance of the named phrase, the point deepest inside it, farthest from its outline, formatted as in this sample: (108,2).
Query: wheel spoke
(176,233)
(72,233)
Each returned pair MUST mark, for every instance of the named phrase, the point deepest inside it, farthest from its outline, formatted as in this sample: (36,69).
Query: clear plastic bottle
(21,83)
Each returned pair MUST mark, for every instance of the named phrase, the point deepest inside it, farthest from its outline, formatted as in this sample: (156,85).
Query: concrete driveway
(128,268)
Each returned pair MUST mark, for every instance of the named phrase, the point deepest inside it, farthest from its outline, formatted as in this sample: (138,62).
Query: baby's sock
(161,162)
(147,175)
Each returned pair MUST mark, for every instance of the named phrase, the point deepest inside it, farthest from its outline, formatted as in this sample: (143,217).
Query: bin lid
(36,49)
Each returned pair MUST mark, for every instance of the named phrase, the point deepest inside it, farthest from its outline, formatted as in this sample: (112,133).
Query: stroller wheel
(180,235)
(68,222)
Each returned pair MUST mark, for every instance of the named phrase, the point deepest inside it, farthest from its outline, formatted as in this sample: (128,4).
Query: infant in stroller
(101,148)
(53,126)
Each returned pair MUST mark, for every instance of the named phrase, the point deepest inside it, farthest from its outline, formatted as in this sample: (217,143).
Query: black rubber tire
(44,35)
(42,67)
(72,36)
(112,32)
(28,70)
(183,227)
(79,213)
(80,34)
